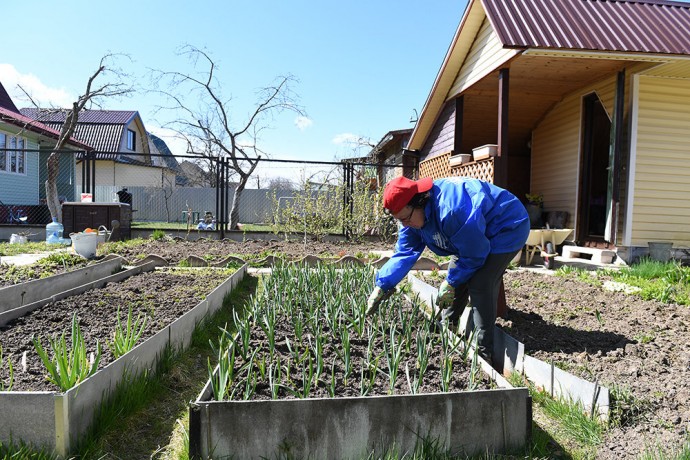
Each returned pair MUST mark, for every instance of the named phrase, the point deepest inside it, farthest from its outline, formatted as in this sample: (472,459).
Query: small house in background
(392,150)
(121,144)
(23,187)
(584,102)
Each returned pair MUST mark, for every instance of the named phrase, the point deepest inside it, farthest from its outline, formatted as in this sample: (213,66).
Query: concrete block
(602,256)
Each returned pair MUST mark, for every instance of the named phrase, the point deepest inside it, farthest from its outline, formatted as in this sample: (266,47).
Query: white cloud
(43,95)
(303,123)
(345,138)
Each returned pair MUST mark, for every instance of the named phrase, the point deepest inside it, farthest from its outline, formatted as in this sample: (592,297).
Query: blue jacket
(465,217)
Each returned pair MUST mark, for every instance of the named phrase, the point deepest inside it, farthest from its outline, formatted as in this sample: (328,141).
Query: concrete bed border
(509,355)
(56,421)
(471,423)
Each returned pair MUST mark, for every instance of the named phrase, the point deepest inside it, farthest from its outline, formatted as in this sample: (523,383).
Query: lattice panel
(482,169)
(436,167)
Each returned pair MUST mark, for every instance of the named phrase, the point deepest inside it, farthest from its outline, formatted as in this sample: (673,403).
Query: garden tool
(115,224)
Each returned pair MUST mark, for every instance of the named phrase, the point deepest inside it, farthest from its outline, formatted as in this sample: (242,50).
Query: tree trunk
(52,199)
(235,210)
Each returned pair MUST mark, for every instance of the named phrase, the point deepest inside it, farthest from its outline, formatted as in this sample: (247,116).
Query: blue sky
(362,66)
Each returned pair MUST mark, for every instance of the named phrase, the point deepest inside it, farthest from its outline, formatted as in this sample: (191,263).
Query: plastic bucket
(660,251)
(85,244)
(18,239)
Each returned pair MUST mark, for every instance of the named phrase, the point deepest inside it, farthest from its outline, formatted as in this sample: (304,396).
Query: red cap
(399,191)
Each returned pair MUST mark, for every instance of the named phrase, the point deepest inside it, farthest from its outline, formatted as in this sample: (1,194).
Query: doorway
(594,173)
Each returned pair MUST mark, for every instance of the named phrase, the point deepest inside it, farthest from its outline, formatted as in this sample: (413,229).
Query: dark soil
(159,296)
(638,349)
(175,250)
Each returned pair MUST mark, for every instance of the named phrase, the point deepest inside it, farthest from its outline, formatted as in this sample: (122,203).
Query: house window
(131,140)
(12,160)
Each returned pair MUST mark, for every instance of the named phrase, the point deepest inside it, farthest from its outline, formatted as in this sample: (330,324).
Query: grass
(150,225)
(667,282)
(7,249)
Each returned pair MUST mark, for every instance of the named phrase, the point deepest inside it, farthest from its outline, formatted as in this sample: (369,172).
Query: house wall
(442,137)
(487,53)
(556,149)
(124,175)
(660,157)
(21,188)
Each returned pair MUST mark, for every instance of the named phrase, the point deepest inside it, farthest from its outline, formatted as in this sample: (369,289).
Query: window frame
(131,140)
(14,161)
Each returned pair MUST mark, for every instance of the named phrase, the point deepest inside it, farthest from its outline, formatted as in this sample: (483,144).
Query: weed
(124,339)
(645,337)
(158,234)
(69,365)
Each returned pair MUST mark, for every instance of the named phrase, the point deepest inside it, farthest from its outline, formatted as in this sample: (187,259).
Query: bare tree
(281,183)
(207,124)
(93,95)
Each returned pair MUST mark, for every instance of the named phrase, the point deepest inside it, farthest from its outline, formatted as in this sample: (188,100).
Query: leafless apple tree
(208,124)
(107,81)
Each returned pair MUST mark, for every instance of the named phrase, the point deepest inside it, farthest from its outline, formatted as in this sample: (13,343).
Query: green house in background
(24,149)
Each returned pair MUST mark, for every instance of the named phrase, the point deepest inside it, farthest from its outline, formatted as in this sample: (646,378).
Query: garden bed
(390,379)
(640,349)
(173,301)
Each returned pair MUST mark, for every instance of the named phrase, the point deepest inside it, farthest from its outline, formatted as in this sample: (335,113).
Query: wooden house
(585,102)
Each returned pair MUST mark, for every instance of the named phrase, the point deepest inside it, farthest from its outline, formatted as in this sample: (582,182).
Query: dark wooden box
(76,217)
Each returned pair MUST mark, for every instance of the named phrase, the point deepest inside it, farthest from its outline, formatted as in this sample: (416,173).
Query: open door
(595,193)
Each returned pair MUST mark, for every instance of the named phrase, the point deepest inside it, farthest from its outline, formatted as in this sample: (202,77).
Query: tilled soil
(176,250)
(639,348)
(159,296)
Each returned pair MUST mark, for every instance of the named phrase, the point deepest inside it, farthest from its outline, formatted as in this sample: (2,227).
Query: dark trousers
(481,292)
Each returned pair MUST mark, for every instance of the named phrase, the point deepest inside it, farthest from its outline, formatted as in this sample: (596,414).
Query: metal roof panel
(647,26)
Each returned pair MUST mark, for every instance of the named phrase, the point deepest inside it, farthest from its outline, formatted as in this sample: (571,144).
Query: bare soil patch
(175,250)
(159,296)
(639,348)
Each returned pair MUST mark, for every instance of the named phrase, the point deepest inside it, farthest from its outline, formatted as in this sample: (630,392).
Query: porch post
(615,160)
(459,112)
(501,161)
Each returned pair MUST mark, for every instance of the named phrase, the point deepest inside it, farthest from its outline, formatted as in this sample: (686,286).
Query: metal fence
(194,192)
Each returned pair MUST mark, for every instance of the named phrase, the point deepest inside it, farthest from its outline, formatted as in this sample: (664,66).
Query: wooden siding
(442,137)
(662,163)
(556,149)
(21,188)
(486,55)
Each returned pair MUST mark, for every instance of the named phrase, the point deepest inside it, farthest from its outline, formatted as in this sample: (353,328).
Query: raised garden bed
(307,375)
(174,302)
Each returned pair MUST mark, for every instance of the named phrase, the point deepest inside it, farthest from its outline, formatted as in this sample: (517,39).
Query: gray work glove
(377,296)
(446,294)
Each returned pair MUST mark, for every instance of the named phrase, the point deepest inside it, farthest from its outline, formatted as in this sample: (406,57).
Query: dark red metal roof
(102,129)
(17,119)
(85,116)
(642,26)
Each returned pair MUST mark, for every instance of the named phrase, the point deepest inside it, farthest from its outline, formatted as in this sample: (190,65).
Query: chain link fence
(194,193)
